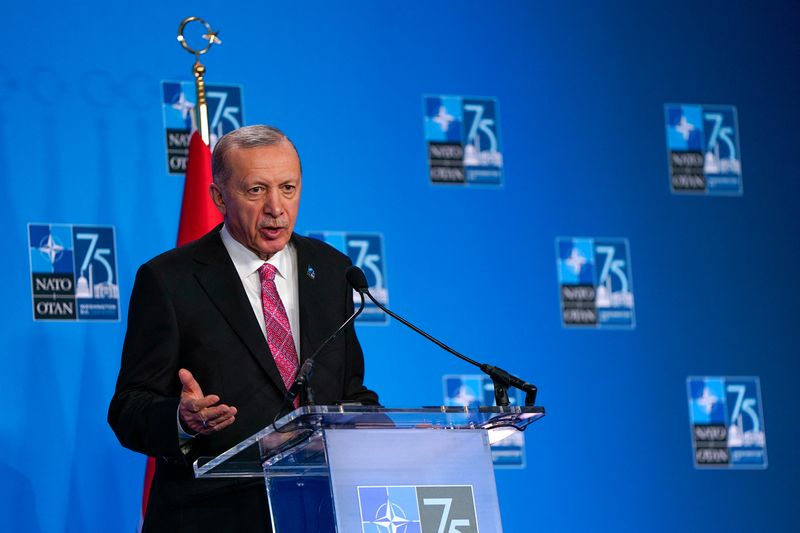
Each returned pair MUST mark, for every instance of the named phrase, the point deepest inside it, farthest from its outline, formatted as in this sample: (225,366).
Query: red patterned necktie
(279,333)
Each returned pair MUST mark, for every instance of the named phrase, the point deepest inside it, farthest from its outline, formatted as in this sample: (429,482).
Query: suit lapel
(219,279)
(306,293)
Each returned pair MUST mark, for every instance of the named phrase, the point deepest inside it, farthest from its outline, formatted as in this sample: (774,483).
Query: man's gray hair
(244,137)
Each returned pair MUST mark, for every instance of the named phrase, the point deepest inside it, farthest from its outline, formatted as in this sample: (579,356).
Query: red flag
(198,216)
(198,213)
(149,472)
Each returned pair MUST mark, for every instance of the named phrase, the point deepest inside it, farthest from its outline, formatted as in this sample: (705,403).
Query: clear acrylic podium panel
(344,469)
(247,459)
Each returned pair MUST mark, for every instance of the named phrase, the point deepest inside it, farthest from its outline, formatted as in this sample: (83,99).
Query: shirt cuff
(184,438)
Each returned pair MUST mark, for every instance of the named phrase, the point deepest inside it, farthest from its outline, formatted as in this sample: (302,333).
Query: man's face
(259,201)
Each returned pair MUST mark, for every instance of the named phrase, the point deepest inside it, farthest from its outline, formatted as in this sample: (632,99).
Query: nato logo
(365,250)
(476,390)
(463,137)
(727,422)
(73,272)
(225,114)
(596,283)
(703,146)
(417,509)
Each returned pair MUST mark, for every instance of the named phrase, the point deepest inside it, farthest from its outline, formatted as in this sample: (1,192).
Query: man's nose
(272,203)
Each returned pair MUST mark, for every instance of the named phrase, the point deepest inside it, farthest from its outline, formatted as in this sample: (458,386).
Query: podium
(345,469)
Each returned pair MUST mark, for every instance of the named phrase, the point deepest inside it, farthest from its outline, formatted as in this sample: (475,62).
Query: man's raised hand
(202,414)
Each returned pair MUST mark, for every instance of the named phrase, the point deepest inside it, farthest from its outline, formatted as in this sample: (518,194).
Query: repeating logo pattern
(475,390)
(727,422)
(178,101)
(73,272)
(365,250)
(703,146)
(463,137)
(596,282)
(417,509)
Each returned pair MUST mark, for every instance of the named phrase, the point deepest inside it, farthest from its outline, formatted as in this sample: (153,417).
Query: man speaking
(217,330)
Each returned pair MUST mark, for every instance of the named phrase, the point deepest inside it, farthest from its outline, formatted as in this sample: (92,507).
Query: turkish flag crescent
(198,216)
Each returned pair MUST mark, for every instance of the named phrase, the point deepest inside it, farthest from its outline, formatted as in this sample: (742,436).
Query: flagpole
(199,70)
(202,107)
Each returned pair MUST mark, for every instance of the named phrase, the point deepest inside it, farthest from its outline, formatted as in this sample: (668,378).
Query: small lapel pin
(310,272)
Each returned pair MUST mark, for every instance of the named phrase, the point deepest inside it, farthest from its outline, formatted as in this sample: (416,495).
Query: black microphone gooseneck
(303,380)
(500,378)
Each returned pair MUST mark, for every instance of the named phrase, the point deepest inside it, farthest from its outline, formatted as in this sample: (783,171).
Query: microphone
(356,278)
(303,379)
(501,378)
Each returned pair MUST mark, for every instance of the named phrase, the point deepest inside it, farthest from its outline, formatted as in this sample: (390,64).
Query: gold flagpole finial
(199,70)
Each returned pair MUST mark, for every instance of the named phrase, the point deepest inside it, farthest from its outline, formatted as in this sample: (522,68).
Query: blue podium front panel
(423,480)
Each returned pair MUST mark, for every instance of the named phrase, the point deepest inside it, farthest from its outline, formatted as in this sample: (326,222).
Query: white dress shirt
(247,264)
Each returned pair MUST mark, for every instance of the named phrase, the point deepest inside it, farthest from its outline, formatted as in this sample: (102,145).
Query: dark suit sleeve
(143,411)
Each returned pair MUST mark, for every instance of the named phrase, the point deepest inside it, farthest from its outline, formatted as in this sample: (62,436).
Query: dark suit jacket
(188,309)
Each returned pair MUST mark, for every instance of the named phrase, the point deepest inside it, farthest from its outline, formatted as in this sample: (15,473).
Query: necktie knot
(267,272)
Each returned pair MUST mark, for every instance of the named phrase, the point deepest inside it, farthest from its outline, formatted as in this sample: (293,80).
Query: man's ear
(217,197)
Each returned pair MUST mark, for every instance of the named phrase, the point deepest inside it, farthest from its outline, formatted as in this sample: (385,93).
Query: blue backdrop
(581,89)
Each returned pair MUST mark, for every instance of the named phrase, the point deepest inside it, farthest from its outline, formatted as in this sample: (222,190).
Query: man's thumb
(188,382)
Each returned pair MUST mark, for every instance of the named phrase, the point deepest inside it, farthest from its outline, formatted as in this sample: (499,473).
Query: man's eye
(255,190)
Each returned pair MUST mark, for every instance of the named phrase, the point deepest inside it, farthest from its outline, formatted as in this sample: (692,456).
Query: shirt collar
(247,262)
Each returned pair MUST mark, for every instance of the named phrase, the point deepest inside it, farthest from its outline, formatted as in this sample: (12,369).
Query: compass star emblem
(183,105)
(391,518)
(575,261)
(707,400)
(684,127)
(443,119)
(51,248)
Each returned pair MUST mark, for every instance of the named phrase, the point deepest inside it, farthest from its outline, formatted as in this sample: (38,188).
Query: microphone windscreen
(356,278)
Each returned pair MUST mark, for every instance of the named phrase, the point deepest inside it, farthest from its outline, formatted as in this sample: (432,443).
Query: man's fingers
(206,420)
(208,426)
(204,403)
(221,425)
(210,413)
(216,419)
(195,405)
(215,416)
(201,413)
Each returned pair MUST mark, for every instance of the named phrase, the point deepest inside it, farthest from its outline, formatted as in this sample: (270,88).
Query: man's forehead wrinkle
(267,176)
